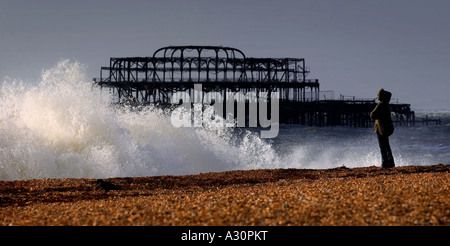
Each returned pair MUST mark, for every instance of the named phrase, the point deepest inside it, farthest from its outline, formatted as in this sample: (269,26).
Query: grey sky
(353,47)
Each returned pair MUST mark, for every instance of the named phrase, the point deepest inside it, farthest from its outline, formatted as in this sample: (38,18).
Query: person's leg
(386,155)
(390,157)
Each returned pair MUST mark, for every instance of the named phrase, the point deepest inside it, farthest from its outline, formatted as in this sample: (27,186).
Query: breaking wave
(65,127)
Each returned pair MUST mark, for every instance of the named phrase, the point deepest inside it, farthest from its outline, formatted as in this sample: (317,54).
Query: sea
(61,126)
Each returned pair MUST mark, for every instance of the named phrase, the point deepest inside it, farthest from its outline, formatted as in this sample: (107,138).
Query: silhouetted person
(107,186)
(384,127)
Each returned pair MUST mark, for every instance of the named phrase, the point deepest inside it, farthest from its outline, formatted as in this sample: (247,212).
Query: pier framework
(227,71)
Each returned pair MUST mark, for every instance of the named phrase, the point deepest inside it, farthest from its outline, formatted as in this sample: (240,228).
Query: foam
(64,127)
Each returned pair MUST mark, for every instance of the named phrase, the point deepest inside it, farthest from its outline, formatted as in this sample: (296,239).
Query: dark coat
(382,114)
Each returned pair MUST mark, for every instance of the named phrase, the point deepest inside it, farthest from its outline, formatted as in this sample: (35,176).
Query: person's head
(384,96)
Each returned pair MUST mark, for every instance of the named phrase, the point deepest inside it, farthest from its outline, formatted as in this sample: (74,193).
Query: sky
(354,47)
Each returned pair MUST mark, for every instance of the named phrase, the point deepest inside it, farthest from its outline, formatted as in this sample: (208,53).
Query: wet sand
(410,195)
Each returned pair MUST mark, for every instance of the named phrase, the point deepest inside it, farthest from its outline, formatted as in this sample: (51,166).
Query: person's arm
(375,114)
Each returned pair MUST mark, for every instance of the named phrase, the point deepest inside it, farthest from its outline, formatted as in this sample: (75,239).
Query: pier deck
(225,70)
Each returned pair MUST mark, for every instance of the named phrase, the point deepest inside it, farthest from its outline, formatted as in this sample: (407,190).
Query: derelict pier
(225,70)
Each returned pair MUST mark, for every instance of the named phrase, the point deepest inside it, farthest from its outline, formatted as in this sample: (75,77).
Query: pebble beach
(407,195)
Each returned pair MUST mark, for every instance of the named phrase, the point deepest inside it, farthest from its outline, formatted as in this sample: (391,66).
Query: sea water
(62,126)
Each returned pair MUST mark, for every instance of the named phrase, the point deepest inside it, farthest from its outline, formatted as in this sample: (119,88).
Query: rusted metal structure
(226,70)
(223,69)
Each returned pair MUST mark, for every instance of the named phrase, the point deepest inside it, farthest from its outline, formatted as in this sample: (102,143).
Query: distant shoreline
(407,195)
